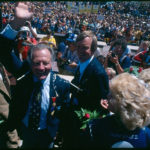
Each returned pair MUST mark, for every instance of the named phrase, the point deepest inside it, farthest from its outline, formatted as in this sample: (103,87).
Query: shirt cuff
(9,33)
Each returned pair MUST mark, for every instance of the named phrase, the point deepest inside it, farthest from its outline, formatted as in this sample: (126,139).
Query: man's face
(118,50)
(71,46)
(41,63)
(84,49)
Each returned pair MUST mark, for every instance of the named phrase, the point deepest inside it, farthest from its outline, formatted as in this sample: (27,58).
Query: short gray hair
(39,47)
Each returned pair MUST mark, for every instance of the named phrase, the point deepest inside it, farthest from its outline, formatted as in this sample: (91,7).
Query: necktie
(35,109)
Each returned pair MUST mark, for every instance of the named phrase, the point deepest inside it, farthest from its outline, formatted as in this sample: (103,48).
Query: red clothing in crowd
(25,49)
(138,57)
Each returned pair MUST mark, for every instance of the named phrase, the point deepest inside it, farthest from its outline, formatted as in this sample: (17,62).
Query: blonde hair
(145,75)
(131,99)
(111,71)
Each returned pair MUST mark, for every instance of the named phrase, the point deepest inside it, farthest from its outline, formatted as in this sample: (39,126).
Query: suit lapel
(76,77)
(52,87)
(86,72)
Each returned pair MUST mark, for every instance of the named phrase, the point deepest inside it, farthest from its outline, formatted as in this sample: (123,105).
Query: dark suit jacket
(18,108)
(95,85)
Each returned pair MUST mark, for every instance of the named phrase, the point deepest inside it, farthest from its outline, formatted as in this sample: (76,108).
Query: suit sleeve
(63,89)
(103,85)
(8,58)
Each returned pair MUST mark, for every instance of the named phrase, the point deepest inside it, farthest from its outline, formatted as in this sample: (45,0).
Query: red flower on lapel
(87,116)
(53,99)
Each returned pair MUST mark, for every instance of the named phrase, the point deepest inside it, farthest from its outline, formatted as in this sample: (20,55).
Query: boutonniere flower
(53,99)
(53,105)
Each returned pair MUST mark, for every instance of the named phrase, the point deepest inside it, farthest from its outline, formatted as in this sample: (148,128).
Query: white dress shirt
(83,66)
(44,104)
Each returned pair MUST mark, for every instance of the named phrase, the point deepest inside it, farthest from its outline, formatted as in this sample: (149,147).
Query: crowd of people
(40,109)
(130,19)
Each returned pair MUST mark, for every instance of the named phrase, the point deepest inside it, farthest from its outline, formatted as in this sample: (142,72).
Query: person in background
(118,57)
(49,39)
(138,57)
(8,43)
(146,59)
(24,42)
(61,47)
(32,29)
(110,72)
(69,60)
(143,46)
(5,100)
(126,128)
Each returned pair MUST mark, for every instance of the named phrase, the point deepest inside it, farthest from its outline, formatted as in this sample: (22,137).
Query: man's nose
(41,66)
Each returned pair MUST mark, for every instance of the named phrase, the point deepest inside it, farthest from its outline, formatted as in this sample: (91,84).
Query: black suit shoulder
(97,67)
(25,82)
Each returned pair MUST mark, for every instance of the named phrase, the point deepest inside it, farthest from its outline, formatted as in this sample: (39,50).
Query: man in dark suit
(54,95)
(92,80)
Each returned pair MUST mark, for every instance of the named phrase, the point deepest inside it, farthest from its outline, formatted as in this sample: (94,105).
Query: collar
(83,65)
(87,61)
(44,81)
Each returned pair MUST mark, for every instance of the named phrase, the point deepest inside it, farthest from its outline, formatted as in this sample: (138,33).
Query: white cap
(24,28)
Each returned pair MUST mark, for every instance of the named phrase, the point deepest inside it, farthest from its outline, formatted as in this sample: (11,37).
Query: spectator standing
(92,79)
(118,57)
(7,41)
(49,39)
(69,59)
(25,41)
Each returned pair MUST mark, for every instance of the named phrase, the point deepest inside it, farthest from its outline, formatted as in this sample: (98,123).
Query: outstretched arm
(7,36)
(22,14)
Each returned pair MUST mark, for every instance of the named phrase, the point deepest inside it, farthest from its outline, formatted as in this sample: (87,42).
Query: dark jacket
(59,88)
(95,85)
(108,132)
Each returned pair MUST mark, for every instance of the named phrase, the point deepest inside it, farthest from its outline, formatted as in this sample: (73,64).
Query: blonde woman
(129,99)
(145,75)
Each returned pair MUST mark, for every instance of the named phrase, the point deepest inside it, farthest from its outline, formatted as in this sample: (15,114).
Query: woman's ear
(104,103)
